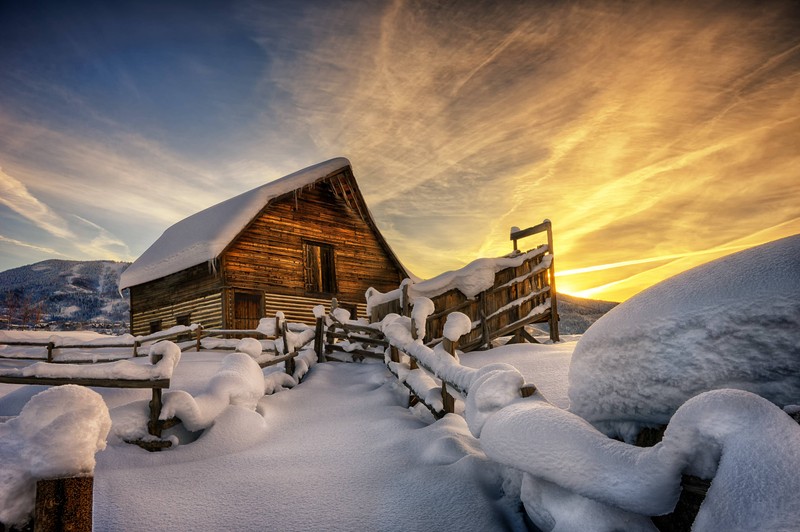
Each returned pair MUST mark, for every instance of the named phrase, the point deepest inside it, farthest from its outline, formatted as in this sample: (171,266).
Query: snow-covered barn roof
(203,236)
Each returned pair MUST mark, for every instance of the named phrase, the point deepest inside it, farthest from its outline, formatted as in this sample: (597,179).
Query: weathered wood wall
(268,255)
(506,306)
(196,290)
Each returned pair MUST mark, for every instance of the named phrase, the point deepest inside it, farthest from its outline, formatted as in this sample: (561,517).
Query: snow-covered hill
(63,294)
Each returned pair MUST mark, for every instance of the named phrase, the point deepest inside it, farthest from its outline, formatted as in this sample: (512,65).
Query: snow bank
(56,434)
(238,382)
(731,323)
(575,474)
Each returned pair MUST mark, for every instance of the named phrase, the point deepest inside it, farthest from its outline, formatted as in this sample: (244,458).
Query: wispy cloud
(16,196)
(40,249)
(641,130)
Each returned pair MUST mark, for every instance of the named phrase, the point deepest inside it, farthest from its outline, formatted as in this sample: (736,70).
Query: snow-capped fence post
(64,504)
(486,339)
(198,336)
(319,331)
(289,364)
(154,424)
(448,401)
(50,346)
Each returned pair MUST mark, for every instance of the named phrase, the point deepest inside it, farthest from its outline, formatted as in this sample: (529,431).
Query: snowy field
(338,452)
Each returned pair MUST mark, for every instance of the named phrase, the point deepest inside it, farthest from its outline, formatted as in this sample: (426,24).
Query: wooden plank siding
(175,295)
(268,256)
(206,310)
(523,285)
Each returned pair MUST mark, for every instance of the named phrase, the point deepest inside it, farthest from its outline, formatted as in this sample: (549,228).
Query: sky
(654,135)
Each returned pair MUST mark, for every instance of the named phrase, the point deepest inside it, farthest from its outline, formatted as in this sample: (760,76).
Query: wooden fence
(154,424)
(53,348)
(520,295)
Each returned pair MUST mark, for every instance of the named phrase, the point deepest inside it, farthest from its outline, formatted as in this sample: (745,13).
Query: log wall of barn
(268,256)
(195,291)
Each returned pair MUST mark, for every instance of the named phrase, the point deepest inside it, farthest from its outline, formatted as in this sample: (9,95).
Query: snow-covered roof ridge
(203,236)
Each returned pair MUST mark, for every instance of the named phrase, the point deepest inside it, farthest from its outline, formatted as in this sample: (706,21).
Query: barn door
(248,309)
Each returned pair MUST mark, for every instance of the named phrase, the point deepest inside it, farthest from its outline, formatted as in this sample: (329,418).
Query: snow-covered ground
(341,451)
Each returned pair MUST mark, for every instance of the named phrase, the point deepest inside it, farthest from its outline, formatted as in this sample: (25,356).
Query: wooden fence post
(448,401)
(553,298)
(319,339)
(394,354)
(50,346)
(199,337)
(154,424)
(289,364)
(486,339)
(64,504)
(405,304)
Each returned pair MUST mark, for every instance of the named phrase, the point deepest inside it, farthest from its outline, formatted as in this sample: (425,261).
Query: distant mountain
(64,294)
(577,314)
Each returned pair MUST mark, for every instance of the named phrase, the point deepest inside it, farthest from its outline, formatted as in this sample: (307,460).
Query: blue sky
(655,135)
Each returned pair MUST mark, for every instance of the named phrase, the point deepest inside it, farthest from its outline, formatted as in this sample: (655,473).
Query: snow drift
(56,434)
(731,323)
(574,475)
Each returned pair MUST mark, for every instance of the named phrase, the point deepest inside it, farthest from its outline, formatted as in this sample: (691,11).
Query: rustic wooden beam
(102,383)
(278,360)
(153,424)
(553,297)
(319,339)
(360,339)
(448,401)
(64,504)
(522,233)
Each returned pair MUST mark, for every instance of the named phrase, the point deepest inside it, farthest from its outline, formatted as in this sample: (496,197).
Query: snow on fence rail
(500,295)
(432,374)
(106,349)
(56,342)
(164,356)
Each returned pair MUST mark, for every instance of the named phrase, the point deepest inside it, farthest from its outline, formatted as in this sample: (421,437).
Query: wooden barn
(288,245)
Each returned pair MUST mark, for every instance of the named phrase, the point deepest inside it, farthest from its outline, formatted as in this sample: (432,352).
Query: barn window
(320,270)
(155,326)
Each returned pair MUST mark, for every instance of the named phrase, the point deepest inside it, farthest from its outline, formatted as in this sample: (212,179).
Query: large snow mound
(731,323)
(56,434)
(578,479)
